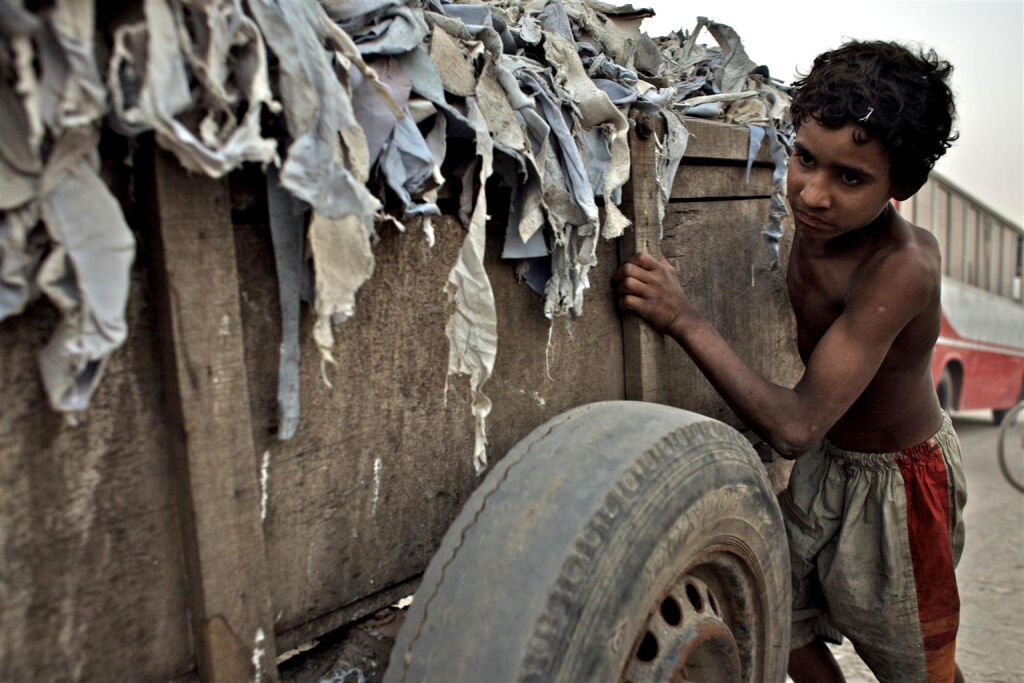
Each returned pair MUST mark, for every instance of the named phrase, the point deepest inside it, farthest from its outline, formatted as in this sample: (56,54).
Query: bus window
(1007,261)
(940,223)
(957,239)
(1018,278)
(988,263)
(972,276)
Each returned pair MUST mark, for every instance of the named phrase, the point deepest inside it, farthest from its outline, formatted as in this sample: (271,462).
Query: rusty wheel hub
(686,639)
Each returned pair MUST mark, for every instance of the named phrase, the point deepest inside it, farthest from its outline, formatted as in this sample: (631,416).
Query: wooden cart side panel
(711,233)
(214,464)
(358,501)
(382,462)
(92,579)
(723,264)
(696,182)
(722,143)
(545,367)
(359,498)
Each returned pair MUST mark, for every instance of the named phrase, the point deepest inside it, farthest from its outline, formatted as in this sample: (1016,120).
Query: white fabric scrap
(230,63)
(342,262)
(617,34)
(26,84)
(456,72)
(328,162)
(83,98)
(86,275)
(736,65)
(472,328)
(21,122)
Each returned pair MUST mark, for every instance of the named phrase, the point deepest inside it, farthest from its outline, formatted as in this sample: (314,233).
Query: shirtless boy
(873,508)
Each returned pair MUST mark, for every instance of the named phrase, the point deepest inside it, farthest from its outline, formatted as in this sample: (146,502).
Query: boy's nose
(815,194)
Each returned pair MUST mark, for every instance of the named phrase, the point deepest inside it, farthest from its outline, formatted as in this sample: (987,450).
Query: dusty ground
(357,654)
(990,575)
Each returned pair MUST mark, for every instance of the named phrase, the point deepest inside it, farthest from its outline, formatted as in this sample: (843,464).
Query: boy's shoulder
(907,264)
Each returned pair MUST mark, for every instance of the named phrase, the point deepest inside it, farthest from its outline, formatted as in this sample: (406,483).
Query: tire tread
(555,626)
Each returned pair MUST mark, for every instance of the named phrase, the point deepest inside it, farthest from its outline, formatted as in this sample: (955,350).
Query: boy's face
(835,184)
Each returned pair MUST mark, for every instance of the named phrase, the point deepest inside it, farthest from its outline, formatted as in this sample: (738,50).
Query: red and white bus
(978,361)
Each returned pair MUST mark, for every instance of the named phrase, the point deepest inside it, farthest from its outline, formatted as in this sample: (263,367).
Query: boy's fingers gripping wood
(650,288)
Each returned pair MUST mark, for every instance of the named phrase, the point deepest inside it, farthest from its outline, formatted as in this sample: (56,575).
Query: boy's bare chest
(818,293)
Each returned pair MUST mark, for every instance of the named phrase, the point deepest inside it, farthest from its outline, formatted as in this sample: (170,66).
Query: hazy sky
(983,40)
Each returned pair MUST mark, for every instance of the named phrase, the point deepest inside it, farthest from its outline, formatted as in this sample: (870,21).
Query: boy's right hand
(650,288)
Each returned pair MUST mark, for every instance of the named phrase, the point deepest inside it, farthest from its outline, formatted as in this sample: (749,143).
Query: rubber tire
(554,564)
(945,389)
(1012,476)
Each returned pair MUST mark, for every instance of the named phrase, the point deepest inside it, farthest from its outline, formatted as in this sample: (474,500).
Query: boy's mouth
(808,219)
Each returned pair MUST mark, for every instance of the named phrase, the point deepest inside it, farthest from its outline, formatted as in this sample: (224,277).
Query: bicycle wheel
(1011,446)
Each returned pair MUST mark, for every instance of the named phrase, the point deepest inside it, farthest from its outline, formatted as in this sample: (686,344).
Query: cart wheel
(620,541)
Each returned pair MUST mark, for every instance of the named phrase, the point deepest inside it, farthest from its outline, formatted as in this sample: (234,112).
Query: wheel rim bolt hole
(671,612)
(648,650)
(694,596)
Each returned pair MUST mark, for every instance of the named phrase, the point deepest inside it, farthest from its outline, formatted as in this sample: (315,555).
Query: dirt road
(991,572)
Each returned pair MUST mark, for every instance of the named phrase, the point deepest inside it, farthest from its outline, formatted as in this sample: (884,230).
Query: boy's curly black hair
(899,98)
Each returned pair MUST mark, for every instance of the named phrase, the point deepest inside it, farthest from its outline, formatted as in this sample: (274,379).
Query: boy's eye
(851,178)
(805,159)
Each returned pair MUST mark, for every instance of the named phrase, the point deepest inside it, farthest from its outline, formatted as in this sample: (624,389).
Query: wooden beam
(721,182)
(641,344)
(722,142)
(215,464)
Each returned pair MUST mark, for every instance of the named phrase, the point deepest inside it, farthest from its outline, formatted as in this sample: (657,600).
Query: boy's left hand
(650,288)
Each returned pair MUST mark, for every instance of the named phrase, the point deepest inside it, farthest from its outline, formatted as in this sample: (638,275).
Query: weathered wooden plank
(724,267)
(545,367)
(640,343)
(720,182)
(91,573)
(208,408)
(383,460)
(721,141)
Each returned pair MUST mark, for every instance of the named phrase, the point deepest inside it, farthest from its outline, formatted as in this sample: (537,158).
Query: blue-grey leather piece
(287,232)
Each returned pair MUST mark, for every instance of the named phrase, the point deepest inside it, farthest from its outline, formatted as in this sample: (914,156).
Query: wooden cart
(170,535)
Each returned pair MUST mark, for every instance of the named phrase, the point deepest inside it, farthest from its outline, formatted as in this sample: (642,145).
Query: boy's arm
(841,366)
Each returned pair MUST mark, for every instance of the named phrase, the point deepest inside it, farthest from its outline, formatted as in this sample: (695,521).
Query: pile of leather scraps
(380,101)
(721,82)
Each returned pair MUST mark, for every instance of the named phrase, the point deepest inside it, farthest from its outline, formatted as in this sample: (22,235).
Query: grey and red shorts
(874,540)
